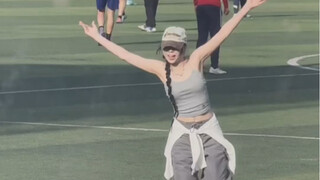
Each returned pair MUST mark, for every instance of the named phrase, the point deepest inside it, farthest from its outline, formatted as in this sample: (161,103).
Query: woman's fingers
(255,3)
(263,1)
(84,26)
(94,25)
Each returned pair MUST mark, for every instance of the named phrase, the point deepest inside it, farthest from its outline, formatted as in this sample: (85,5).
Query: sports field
(69,110)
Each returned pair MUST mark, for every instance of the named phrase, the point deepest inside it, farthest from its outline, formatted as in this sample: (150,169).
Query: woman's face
(171,54)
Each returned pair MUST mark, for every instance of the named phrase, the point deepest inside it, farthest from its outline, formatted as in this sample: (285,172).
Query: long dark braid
(168,82)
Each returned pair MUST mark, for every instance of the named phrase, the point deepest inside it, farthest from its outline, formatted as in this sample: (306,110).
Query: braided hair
(168,83)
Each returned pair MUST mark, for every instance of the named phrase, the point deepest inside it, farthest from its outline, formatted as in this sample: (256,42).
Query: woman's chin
(172,60)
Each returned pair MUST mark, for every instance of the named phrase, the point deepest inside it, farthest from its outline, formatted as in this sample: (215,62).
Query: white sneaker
(147,29)
(151,29)
(142,27)
(216,71)
(248,16)
(131,3)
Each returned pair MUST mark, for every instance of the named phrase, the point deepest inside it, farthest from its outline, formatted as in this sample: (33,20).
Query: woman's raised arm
(149,65)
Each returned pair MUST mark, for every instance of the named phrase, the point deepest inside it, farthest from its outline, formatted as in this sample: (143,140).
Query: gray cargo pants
(215,155)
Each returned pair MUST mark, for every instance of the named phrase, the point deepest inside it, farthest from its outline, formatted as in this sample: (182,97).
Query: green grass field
(69,110)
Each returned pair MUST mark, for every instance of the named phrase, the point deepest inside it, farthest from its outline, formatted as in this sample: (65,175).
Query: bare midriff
(200,118)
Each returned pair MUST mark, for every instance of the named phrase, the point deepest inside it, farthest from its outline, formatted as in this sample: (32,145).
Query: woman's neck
(179,68)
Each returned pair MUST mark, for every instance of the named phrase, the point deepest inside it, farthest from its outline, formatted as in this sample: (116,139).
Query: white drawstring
(197,151)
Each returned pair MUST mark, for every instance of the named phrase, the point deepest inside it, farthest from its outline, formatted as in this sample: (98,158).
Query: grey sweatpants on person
(215,155)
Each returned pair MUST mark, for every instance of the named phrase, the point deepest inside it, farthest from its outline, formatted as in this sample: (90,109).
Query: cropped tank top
(191,95)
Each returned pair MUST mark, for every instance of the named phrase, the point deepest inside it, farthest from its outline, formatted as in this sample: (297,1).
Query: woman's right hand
(91,31)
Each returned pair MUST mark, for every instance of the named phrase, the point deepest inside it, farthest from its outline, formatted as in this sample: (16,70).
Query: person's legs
(112,5)
(182,159)
(214,14)
(110,23)
(101,5)
(121,11)
(236,6)
(208,21)
(149,6)
(202,23)
(100,21)
(216,159)
(151,9)
(154,11)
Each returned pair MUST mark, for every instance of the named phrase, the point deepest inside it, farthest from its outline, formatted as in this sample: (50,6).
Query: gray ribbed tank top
(191,95)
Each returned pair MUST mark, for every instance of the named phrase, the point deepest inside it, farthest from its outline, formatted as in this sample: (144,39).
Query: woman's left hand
(91,31)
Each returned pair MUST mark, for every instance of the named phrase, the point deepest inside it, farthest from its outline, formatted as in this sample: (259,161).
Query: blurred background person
(111,5)
(121,12)
(209,19)
(151,11)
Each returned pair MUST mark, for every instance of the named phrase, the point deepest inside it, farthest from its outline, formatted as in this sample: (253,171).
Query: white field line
(84,126)
(294,62)
(146,84)
(150,130)
(272,136)
(314,159)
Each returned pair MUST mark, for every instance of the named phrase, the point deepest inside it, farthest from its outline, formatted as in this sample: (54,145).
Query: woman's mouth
(172,57)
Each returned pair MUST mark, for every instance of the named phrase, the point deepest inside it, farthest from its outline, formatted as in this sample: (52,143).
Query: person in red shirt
(208,14)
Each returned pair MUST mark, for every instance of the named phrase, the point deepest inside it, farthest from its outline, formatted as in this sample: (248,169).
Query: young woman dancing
(196,148)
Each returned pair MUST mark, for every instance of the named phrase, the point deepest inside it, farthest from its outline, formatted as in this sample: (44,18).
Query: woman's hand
(226,11)
(254,3)
(91,31)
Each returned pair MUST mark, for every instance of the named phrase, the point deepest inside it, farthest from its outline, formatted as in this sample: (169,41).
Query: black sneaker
(108,36)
